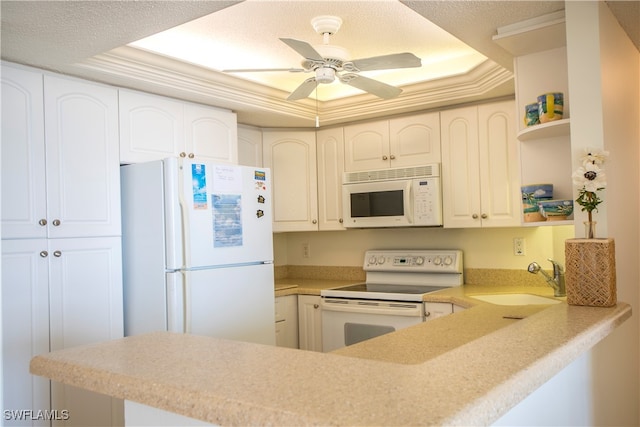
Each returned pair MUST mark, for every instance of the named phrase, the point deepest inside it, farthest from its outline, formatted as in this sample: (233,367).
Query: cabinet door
(83,175)
(25,320)
(291,155)
(23,155)
(414,140)
(286,312)
(249,146)
(433,310)
(210,134)
(310,322)
(499,165)
(366,146)
(151,127)
(86,307)
(460,168)
(330,153)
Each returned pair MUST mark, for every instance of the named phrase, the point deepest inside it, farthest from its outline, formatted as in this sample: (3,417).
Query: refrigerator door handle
(186,226)
(177,304)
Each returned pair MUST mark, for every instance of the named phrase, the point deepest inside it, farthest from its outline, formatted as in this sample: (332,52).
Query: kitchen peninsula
(477,365)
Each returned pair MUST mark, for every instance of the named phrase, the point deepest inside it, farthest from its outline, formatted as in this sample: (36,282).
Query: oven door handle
(373,307)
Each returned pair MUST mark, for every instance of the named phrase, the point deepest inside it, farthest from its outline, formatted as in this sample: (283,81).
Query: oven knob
(419,260)
(448,261)
(372,260)
(381,260)
(437,260)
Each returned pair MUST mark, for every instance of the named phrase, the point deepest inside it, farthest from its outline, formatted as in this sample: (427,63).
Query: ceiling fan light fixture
(325,75)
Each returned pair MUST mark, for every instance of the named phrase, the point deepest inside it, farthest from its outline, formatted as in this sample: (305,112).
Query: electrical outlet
(518,246)
(306,250)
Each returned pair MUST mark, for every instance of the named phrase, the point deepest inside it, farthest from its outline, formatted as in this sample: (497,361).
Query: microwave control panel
(427,206)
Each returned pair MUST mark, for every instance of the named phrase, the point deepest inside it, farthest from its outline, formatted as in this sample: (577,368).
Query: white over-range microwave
(400,197)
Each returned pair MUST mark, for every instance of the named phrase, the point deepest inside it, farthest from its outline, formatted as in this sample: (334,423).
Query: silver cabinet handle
(191,155)
(57,254)
(183,154)
(44,254)
(56,222)
(42,222)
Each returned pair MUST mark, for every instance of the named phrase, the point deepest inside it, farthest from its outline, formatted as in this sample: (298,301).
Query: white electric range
(391,297)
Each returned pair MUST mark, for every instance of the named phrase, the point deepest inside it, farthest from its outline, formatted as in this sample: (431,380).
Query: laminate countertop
(468,368)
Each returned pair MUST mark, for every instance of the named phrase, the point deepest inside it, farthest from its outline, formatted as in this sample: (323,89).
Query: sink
(515,299)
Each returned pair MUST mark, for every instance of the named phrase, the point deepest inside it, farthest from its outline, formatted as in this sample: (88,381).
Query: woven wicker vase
(590,275)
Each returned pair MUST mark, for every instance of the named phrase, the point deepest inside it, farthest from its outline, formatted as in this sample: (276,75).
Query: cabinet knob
(56,222)
(385,158)
(474,216)
(42,222)
(191,155)
(44,254)
(315,221)
(427,314)
(340,220)
(393,157)
(316,305)
(183,154)
(484,216)
(57,254)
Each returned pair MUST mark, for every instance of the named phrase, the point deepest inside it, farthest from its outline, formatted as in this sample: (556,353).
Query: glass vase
(590,229)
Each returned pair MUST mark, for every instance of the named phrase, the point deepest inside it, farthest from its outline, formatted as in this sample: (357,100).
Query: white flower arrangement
(590,178)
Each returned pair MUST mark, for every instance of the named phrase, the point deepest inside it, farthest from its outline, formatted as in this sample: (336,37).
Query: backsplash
(472,276)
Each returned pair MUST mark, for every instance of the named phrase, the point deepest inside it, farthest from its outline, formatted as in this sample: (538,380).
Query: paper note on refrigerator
(227,220)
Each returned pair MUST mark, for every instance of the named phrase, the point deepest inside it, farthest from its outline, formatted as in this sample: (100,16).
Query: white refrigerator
(197,249)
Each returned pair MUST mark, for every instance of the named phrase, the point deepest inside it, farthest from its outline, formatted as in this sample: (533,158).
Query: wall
(604,85)
(482,248)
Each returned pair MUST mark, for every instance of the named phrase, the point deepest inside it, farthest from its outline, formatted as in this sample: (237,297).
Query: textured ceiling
(89,39)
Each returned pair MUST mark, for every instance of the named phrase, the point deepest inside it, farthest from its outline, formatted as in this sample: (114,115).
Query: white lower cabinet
(287,321)
(434,310)
(56,294)
(310,322)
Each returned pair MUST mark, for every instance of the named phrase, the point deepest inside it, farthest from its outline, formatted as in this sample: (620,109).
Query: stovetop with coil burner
(404,275)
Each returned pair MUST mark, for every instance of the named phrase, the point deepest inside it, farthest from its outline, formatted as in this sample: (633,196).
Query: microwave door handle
(408,201)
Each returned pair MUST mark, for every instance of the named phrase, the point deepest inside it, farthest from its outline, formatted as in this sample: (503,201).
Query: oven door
(349,321)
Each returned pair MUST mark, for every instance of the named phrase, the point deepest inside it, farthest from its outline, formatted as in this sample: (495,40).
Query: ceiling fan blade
(304,90)
(374,87)
(384,62)
(257,70)
(304,49)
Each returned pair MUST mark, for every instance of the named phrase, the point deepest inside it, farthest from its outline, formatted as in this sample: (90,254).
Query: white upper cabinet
(480,166)
(154,127)
(414,140)
(83,175)
(24,205)
(330,151)
(60,170)
(249,146)
(211,133)
(400,142)
(291,156)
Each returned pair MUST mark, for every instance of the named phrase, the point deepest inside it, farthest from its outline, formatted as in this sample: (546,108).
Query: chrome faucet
(556,282)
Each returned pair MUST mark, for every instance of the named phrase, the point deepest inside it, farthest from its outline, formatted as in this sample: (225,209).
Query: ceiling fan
(328,61)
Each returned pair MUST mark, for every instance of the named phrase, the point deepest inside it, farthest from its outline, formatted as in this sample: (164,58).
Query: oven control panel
(441,261)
